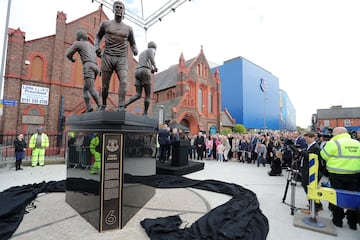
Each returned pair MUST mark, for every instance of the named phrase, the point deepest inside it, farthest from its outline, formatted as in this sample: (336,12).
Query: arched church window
(37,68)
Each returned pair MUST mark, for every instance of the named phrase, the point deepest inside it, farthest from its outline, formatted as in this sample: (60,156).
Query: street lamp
(4,49)
(161,114)
(265,98)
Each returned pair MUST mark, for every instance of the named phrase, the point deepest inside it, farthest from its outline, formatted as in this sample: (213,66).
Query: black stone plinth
(101,195)
(112,121)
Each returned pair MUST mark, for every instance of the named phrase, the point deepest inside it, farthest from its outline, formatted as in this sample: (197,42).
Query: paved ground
(53,219)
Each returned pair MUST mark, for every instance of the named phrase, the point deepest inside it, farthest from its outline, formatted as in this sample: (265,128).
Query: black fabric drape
(13,202)
(239,218)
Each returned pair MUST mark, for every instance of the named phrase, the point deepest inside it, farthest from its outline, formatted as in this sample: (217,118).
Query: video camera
(353,134)
(291,153)
(294,148)
(327,134)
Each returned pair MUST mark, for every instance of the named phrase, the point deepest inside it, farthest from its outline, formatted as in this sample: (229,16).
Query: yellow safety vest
(342,154)
(44,140)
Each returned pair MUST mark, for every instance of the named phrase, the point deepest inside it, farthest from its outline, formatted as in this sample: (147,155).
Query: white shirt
(310,145)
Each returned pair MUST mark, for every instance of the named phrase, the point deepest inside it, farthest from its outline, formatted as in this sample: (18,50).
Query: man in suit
(299,140)
(164,141)
(312,147)
(200,146)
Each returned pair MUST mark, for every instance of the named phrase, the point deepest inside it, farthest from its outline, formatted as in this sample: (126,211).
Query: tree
(225,131)
(300,129)
(239,128)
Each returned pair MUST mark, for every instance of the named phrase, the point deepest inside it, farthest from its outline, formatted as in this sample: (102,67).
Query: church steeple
(182,63)
(217,75)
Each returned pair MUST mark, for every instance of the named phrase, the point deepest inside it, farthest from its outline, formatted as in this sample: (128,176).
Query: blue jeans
(260,159)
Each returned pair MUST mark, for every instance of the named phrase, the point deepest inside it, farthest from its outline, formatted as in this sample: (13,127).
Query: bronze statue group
(114,57)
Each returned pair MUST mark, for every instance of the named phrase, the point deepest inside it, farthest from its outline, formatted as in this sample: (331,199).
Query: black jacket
(200,141)
(19,145)
(315,149)
(164,137)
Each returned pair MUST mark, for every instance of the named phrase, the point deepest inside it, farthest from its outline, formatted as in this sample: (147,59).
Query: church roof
(226,119)
(168,78)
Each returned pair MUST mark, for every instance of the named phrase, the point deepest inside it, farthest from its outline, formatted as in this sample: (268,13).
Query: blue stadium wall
(287,112)
(251,94)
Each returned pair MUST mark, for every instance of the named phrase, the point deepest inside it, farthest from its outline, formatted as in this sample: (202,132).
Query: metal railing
(56,149)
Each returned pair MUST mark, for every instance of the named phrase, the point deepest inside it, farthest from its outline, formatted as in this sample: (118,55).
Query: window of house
(210,110)
(157,97)
(200,101)
(34,111)
(326,123)
(347,122)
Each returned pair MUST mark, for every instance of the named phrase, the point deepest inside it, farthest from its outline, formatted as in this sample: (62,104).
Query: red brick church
(190,94)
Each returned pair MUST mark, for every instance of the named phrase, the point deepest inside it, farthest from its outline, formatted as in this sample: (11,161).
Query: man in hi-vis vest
(95,150)
(342,156)
(38,143)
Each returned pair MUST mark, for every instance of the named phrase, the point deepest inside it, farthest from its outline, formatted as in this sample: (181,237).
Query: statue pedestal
(113,144)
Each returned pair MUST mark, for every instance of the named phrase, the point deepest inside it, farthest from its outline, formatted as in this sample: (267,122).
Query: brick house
(337,116)
(41,64)
(189,93)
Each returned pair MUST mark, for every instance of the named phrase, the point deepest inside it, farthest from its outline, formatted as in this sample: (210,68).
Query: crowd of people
(338,156)
(259,148)
(274,148)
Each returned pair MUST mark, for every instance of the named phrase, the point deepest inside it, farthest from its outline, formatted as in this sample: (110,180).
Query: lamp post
(265,98)
(4,50)
(264,86)
(161,114)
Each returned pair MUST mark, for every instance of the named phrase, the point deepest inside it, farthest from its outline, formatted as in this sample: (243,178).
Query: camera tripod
(293,174)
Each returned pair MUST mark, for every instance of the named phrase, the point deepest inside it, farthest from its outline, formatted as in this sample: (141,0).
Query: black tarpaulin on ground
(14,200)
(238,218)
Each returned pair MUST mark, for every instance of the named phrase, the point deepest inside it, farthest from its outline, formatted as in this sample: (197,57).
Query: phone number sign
(34,95)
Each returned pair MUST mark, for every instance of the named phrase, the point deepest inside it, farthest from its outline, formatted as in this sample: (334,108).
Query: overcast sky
(312,46)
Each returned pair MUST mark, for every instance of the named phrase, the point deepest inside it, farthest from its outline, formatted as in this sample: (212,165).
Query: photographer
(299,140)
(323,139)
(358,135)
(312,147)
